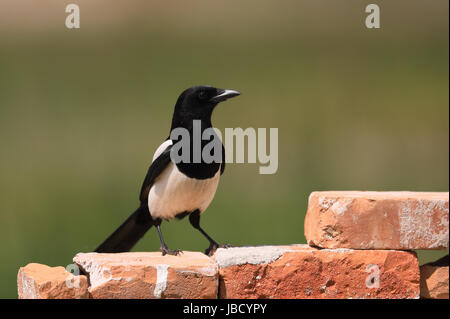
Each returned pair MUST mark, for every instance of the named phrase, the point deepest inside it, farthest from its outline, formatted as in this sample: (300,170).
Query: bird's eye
(202,95)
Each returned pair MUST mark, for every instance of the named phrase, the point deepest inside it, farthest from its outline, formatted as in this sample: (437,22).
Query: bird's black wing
(222,166)
(155,169)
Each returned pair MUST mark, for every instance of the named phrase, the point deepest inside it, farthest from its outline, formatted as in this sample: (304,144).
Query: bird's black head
(198,102)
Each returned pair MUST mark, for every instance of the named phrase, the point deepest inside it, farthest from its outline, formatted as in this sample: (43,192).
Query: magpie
(176,189)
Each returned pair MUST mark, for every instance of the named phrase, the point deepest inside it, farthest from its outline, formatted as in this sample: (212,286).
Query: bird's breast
(173,193)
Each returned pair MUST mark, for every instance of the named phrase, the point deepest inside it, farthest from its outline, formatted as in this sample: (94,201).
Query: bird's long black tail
(129,233)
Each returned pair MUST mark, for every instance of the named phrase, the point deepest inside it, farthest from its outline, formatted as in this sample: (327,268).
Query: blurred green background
(81,112)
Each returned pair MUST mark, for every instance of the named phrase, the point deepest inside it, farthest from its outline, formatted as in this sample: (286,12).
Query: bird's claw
(173,252)
(213,247)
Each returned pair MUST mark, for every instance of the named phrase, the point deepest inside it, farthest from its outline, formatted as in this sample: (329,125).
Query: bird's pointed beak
(224,95)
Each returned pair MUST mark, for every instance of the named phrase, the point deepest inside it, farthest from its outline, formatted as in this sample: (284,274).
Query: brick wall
(360,245)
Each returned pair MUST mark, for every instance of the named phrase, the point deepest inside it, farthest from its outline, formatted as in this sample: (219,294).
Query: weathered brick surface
(150,275)
(434,279)
(300,271)
(36,281)
(366,236)
(378,220)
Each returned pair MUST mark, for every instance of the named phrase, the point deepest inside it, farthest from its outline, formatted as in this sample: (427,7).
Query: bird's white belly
(174,193)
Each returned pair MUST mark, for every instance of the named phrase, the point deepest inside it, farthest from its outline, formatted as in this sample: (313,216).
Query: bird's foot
(214,246)
(167,251)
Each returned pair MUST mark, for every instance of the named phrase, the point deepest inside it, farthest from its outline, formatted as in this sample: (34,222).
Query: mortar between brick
(161,280)
(249,255)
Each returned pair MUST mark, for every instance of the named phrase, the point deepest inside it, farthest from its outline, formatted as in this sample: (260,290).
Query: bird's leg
(164,249)
(194,219)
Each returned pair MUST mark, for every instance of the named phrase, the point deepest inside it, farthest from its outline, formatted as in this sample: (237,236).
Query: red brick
(36,281)
(150,275)
(434,279)
(300,271)
(378,220)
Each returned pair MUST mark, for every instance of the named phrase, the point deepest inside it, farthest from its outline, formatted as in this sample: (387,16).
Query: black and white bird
(176,189)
